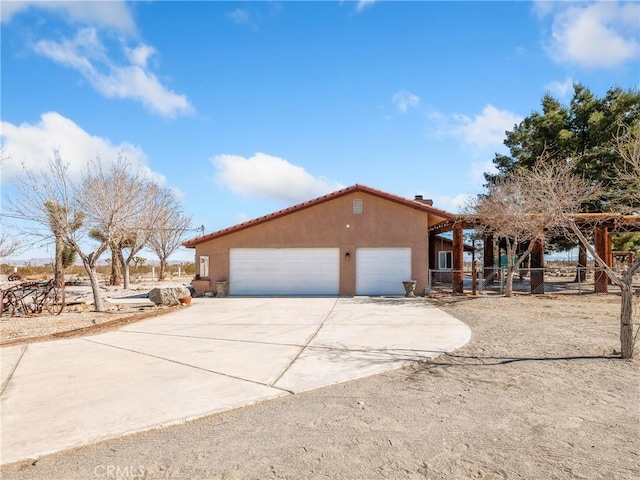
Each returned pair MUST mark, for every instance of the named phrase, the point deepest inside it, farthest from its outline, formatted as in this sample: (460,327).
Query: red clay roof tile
(317,201)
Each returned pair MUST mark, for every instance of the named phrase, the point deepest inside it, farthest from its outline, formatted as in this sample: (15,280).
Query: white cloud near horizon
(593,35)
(87,54)
(404,100)
(269,177)
(30,146)
(487,129)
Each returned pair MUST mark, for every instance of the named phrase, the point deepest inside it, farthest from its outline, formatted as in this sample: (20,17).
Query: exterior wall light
(347,256)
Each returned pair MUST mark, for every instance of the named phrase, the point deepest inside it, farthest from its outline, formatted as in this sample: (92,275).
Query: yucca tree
(65,256)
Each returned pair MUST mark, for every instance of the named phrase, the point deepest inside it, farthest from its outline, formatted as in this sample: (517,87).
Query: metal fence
(555,280)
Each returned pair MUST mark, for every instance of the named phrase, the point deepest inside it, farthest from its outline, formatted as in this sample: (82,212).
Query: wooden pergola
(603,225)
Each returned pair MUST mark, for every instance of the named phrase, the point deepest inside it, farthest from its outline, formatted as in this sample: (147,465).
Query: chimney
(421,199)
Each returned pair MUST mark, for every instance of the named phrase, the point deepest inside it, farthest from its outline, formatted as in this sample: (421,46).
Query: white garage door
(381,271)
(284,271)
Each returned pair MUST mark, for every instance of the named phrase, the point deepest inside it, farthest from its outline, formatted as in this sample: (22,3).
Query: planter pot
(409,288)
(185,301)
(222,289)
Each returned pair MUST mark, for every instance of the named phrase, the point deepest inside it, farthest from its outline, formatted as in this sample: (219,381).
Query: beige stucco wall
(382,223)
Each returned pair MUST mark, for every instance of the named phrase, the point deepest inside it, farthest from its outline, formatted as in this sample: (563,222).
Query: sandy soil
(79,317)
(536,394)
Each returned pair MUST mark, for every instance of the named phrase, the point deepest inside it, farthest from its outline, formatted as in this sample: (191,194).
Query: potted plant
(409,288)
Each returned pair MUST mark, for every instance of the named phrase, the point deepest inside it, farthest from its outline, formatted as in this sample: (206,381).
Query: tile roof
(416,204)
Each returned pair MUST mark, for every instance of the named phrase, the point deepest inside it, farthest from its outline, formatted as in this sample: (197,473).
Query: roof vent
(421,199)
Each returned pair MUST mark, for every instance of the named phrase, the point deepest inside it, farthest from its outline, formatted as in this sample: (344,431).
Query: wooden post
(603,249)
(458,258)
(488,259)
(537,265)
(474,278)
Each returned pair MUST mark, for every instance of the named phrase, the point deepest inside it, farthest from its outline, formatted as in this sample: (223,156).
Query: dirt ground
(536,394)
(79,317)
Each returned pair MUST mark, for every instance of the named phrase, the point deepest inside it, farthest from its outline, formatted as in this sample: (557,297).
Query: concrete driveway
(216,355)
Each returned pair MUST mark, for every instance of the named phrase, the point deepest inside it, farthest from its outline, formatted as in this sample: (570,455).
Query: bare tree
(169,229)
(505,212)
(8,245)
(627,177)
(113,201)
(530,206)
(46,200)
(115,245)
(627,200)
(554,195)
(104,199)
(156,200)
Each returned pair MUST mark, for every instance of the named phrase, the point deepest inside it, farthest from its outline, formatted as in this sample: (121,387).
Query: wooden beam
(458,259)
(488,260)
(603,249)
(537,266)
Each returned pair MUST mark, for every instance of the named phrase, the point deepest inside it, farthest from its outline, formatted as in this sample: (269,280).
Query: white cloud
(487,129)
(561,89)
(595,35)
(240,16)
(362,4)
(478,169)
(113,14)
(86,54)
(451,204)
(32,145)
(270,177)
(140,55)
(404,100)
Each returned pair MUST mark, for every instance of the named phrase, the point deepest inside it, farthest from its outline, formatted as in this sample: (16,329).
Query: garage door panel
(381,271)
(284,271)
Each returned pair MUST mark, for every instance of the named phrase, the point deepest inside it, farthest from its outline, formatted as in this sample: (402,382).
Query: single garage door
(381,271)
(284,271)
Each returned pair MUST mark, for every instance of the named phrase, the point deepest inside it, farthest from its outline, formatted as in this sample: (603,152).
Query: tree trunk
(116,267)
(95,286)
(626,323)
(626,307)
(163,269)
(508,287)
(627,340)
(126,277)
(124,268)
(581,273)
(511,252)
(58,266)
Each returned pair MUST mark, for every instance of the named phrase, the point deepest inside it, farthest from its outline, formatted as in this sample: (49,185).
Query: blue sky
(248,107)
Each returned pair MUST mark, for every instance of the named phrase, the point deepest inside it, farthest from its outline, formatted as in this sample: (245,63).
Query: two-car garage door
(316,271)
(284,271)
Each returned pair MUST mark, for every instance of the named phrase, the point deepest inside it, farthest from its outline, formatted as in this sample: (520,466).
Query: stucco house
(355,241)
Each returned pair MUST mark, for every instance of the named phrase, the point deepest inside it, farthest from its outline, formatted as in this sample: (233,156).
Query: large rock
(168,295)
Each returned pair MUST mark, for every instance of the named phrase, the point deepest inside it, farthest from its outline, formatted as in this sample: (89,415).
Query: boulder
(168,295)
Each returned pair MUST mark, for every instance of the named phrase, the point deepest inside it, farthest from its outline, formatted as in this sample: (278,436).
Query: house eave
(415,204)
